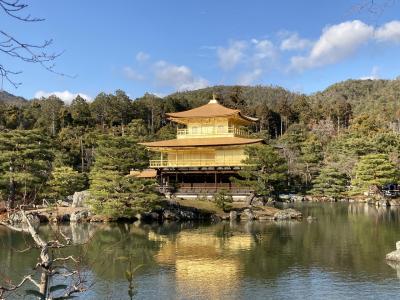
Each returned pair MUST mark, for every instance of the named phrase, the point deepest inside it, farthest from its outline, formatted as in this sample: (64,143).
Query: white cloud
(374,74)
(179,77)
(389,32)
(142,56)
(229,57)
(65,96)
(250,77)
(263,49)
(336,43)
(132,74)
(294,42)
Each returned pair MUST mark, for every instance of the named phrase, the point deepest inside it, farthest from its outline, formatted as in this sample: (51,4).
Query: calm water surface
(339,256)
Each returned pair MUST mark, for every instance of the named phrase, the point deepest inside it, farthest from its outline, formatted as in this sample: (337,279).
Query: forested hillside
(327,139)
(8,98)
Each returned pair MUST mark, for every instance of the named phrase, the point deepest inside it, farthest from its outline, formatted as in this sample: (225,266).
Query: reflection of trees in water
(340,241)
(109,245)
(377,213)
(13,262)
(264,259)
(101,253)
(351,240)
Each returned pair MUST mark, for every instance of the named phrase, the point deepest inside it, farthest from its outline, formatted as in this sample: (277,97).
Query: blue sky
(164,46)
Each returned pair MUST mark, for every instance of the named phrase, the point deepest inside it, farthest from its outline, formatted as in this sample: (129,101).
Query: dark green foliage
(121,196)
(223,199)
(266,172)
(25,164)
(120,153)
(65,181)
(80,112)
(330,182)
(374,169)
(114,193)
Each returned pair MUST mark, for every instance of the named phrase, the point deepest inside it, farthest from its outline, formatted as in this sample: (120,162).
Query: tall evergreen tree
(114,192)
(65,181)
(120,153)
(266,171)
(330,182)
(375,169)
(80,112)
(25,164)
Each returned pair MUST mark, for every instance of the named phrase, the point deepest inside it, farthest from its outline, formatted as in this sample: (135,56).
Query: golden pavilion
(207,152)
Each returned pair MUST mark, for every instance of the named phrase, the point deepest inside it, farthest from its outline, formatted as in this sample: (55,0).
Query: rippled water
(339,256)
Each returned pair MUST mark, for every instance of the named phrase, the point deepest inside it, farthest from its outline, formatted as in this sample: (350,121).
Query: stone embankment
(76,211)
(171,212)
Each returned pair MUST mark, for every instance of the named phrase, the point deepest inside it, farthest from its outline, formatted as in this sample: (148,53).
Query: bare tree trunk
(152,120)
(44,283)
(11,195)
(82,156)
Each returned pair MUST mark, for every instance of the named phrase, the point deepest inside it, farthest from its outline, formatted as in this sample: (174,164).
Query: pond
(338,256)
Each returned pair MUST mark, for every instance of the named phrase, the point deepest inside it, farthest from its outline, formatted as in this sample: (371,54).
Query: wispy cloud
(142,56)
(65,96)
(294,42)
(250,77)
(336,43)
(230,56)
(179,77)
(132,74)
(263,50)
(374,75)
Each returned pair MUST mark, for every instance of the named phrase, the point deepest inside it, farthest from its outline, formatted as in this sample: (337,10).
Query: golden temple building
(209,149)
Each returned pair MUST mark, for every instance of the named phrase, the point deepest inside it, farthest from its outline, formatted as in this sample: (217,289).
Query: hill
(364,96)
(8,98)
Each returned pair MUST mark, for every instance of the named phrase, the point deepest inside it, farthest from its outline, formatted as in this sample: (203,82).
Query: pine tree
(121,196)
(330,182)
(120,153)
(311,156)
(80,112)
(113,192)
(65,181)
(223,200)
(266,171)
(25,164)
(375,169)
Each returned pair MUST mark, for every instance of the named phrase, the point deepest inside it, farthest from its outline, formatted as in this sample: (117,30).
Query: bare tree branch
(374,7)
(12,8)
(47,264)
(26,52)
(15,287)
(66,258)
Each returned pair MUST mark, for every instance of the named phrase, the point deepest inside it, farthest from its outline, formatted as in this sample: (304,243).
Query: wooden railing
(226,131)
(195,163)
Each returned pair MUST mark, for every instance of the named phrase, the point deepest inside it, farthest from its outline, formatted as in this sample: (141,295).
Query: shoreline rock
(288,214)
(79,199)
(171,211)
(394,255)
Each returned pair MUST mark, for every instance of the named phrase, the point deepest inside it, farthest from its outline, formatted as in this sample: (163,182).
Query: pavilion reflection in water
(201,261)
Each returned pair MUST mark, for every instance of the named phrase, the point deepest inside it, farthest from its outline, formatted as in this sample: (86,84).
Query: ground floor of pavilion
(200,182)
